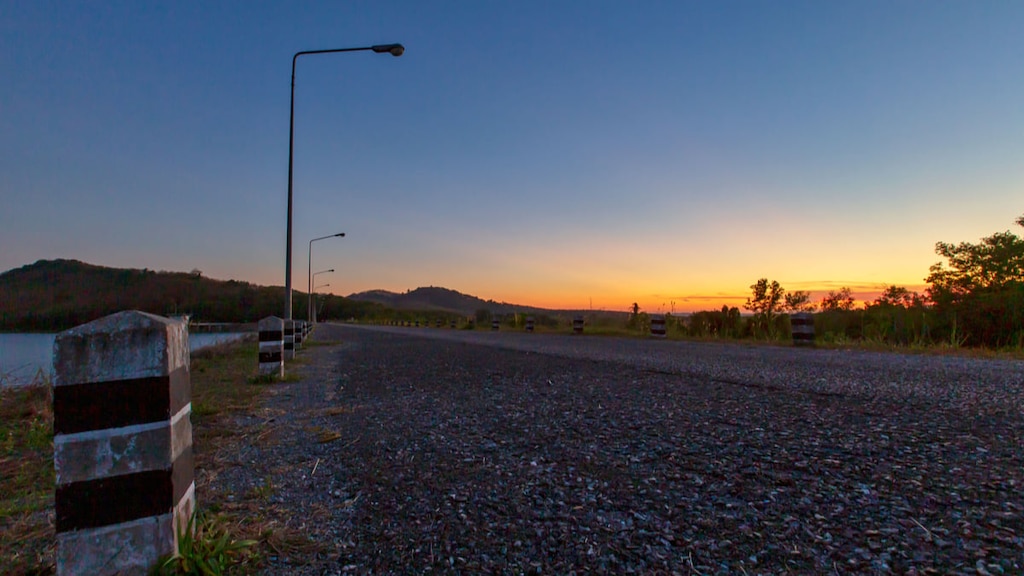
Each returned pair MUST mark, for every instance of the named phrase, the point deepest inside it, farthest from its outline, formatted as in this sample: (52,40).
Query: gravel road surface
(411,451)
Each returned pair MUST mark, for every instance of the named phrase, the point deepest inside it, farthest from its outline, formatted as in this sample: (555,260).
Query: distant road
(948,380)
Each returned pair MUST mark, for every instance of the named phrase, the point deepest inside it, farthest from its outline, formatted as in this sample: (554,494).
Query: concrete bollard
(529,323)
(802,326)
(577,325)
(299,327)
(271,338)
(658,326)
(452,324)
(122,444)
(439,323)
(495,324)
(289,339)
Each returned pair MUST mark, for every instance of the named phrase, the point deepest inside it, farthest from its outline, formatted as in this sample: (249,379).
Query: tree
(978,294)
(799,301)
(841,300)
(765,304)
(997,262)
(898,297)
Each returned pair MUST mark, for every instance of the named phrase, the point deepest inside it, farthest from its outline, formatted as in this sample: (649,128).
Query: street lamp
(394,50)
(309,269)
(321,305)
(312,301)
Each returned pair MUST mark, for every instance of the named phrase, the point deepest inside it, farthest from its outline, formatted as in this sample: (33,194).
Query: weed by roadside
(27,533)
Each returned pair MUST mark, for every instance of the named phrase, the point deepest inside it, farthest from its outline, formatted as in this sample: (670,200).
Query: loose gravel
(404,451)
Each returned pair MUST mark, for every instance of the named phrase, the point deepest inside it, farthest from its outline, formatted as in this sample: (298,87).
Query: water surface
(26,357)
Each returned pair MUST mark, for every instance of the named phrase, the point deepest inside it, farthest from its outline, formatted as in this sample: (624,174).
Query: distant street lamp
(321,305)
(393,49)
(312,307)
(309,269)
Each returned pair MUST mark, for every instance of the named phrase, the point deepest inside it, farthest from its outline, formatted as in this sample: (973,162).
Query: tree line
(974,298)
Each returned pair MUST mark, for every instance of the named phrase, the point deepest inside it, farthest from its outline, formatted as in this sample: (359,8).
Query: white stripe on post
(122,443)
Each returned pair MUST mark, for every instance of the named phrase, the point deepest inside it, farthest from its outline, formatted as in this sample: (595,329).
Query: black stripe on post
(271,336)
(117,499)
(116,403)
(268,357)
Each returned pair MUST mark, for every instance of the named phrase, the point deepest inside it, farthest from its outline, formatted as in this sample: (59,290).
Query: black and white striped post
(577,325)
(529,323)
(298,330)
(495,324)
(452,325)
(658,326)
(122,444)
(802,326)
(439,322)
(289,339)
(271,337)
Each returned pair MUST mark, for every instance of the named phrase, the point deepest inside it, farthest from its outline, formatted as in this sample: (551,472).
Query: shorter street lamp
(312,280)
(309,270)
(321,305)
(315,307)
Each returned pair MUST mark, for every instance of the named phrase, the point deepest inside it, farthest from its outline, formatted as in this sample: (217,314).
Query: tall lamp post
(394,50)
(312,302)
(309,269)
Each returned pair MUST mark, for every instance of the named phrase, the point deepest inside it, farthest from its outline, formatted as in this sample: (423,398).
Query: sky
(564,154)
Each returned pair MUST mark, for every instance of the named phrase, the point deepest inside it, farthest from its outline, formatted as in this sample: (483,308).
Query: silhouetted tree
(765,303)
(841,300)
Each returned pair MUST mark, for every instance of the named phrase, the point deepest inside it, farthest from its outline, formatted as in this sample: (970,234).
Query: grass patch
(27,534)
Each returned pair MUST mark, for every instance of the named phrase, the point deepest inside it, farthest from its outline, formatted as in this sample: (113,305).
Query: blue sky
(549,153)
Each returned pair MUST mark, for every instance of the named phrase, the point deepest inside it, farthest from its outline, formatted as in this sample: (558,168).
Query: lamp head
(393,49)
(340,235)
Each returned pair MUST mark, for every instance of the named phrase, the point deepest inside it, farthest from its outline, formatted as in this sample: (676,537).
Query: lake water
(24,356)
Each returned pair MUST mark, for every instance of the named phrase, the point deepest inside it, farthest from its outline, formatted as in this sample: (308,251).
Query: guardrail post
(577,325)
(658,326)
(122,444)
(289,339)
(271,349)
(802,326)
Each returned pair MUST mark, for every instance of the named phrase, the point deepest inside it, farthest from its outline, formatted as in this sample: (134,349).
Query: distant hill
(52,295)
(442,300)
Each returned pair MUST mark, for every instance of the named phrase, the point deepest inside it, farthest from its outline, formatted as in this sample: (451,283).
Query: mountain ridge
(442,300)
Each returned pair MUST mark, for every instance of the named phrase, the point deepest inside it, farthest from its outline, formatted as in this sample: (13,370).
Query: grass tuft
(206,548)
